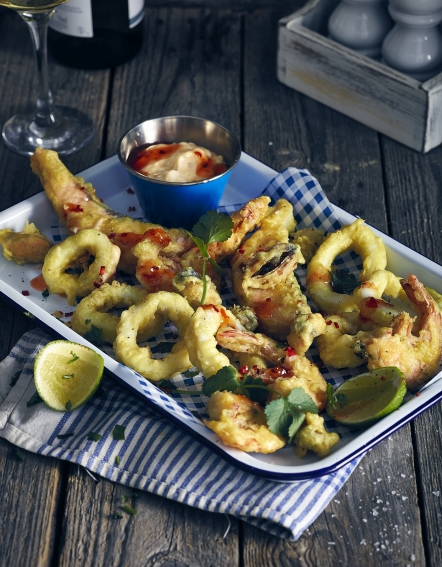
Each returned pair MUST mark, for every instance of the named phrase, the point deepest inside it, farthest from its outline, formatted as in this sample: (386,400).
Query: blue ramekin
(180,204)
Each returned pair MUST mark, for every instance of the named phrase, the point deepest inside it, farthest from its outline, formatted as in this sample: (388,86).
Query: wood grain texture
(190,65)
(30,492)
(161,534)
(414,194)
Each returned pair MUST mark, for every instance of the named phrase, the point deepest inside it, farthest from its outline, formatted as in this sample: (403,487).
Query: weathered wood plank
(161,533)
(282,128)
(31,489)
(190,64)
(30,492)
(413,186)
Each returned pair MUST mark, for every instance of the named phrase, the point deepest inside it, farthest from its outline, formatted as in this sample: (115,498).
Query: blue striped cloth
(156,455)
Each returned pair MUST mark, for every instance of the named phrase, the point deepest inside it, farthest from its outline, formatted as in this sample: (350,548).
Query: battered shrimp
(155,268)
(241,423)
(289,370)
(78,207)
(417,354)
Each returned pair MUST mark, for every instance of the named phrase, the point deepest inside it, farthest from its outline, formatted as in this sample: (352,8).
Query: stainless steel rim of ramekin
(235,145)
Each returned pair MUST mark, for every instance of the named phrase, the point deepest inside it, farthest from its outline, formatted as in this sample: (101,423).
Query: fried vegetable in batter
(28,246)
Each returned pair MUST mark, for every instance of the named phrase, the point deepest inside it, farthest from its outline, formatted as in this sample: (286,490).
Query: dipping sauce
(182,162)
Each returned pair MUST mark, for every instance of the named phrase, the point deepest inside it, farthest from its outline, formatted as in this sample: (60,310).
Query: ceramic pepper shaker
(361,25)
(414,45)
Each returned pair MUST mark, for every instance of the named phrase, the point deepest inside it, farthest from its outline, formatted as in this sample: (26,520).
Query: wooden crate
(368,91)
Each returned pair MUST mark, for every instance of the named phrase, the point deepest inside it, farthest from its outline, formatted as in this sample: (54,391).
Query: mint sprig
(211,227)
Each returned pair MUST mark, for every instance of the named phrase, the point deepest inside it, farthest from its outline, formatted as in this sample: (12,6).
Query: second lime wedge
(368,397)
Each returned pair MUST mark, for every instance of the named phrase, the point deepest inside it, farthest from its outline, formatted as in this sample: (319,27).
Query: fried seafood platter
(239,328)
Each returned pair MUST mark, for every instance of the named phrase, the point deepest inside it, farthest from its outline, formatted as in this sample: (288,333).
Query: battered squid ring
(169,305)
(60,257)
(93,311)
(201,341)
(357,236)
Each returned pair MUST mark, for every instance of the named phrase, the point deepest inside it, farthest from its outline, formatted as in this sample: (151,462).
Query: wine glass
(58,128)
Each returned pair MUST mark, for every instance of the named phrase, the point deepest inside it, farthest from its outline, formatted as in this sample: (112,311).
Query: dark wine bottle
(96,34)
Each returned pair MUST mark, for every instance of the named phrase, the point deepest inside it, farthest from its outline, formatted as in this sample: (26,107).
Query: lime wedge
(367,397)
(66,374)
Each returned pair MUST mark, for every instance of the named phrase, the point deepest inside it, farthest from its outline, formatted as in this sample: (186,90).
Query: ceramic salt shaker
(361,25)
(414,45)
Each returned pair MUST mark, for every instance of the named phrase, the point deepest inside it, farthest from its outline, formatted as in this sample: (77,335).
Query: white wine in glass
(58,128)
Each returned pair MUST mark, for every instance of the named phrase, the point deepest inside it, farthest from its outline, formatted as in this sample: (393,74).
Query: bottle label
(75,17)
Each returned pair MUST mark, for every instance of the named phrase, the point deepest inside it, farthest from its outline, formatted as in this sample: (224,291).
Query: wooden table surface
(220,63)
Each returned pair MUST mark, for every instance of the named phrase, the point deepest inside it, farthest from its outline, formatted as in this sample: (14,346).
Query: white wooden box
(368,91)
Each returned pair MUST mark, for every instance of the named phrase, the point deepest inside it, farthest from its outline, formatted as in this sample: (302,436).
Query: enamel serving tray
(247,180)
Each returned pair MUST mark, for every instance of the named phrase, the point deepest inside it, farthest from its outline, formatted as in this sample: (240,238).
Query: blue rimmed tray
(249,179)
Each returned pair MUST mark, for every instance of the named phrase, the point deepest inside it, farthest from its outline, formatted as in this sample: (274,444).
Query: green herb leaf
(93,436)
(279,417)
(190,373)
(298,420)
(213,227)
(73,359)
(45,293)
(117,460)
(94,336)
(200,244)
(18,454)
(302,401)
(343,281)
(286,415)
(35,399)
(118,432)
(30,315)
(68,405)
(14,379)
(167,384)
(129,510)
(224,380)
(117,516)
(127,497)
(254,388)
(66,435)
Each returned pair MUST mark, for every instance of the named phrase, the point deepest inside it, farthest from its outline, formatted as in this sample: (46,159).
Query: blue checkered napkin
(156,455)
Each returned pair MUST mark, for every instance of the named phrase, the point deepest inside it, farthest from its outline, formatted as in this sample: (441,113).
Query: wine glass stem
(38,26)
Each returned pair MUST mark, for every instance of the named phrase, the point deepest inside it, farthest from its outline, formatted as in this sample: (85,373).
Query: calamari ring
(93,311)
(380,282)
(357,236)
(169,305)
(201,341)
(60,257)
